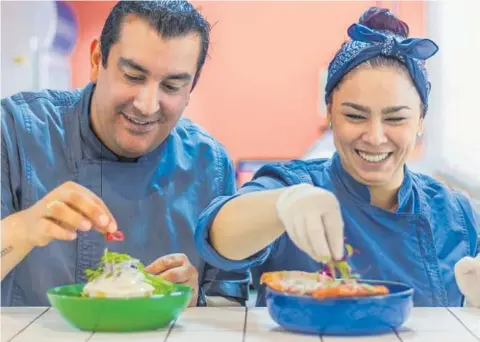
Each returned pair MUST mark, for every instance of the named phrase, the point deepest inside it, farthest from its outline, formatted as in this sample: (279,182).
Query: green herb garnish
(342,267)
(160,285)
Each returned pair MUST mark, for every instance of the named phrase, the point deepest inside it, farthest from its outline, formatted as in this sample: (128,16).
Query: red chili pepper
(116,236)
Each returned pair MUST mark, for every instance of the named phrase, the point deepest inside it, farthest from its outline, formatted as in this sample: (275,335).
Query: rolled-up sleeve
(272,176)
(10,162)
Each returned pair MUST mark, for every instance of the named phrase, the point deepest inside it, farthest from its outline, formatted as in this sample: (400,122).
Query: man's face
(143,91)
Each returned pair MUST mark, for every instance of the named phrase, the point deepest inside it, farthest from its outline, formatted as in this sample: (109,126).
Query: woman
(406,227)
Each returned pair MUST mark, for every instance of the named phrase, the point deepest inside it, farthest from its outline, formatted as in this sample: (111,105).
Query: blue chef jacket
(156,199)
(418,244)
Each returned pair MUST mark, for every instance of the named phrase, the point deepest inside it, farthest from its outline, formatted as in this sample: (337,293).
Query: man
(116,155)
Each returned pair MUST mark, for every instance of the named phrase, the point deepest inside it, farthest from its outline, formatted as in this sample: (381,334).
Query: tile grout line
(170,328)
(90,336)
(397,334)
(29,324)
(245,325)
(393,330)
(167,335)
(468,329)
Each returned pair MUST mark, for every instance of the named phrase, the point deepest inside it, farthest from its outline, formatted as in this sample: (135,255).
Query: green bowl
(118,314)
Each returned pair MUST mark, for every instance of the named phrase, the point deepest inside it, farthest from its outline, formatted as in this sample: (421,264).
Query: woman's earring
(330,124)
(419,134)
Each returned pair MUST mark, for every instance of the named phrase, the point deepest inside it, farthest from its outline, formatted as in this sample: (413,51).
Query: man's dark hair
(169,18)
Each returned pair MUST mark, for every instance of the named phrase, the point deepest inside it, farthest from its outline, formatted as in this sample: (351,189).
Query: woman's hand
(313,221)
(467,274)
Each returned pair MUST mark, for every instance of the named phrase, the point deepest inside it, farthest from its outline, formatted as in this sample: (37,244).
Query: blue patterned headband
(366,44)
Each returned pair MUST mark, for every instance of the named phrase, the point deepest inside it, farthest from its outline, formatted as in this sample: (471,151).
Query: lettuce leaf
(160,285)
(342,266)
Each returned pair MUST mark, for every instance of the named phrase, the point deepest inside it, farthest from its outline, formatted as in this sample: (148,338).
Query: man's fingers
(112,227)
(178,275)
(90,205)
(176,268)
(167,262)
(61,212)
(85,206)
(52,230)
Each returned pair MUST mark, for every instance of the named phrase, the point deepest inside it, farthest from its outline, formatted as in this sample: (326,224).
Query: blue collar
(360,191)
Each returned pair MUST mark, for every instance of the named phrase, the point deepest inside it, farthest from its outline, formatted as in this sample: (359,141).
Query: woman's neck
(386,196)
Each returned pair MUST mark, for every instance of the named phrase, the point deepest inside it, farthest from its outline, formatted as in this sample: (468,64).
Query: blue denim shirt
(418,244)
(156,200)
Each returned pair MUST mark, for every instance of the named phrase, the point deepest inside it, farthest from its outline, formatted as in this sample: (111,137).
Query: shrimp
(318,285)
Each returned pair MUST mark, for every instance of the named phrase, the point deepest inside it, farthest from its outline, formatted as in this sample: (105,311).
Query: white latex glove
(467,274)
(313,221)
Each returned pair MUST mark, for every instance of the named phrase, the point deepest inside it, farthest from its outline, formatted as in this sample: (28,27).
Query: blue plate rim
(408,291)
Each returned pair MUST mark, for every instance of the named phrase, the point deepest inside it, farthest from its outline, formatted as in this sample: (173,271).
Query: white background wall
(453,121)
(27,61)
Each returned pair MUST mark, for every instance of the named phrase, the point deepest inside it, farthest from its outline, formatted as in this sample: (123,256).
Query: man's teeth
(136,121)
(375,158)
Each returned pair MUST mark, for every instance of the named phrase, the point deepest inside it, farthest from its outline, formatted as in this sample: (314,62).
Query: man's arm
(14,245)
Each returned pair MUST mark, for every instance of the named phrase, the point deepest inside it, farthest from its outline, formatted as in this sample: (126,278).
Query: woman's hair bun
(381,19)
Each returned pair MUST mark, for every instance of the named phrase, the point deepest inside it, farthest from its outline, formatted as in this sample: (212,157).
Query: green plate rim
(180,289)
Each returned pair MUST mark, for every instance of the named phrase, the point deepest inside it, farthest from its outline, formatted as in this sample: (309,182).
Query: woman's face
(376,116)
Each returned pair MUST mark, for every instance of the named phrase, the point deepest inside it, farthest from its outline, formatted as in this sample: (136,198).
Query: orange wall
(258,93)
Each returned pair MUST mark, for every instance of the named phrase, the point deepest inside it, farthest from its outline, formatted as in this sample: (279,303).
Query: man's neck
(92,118)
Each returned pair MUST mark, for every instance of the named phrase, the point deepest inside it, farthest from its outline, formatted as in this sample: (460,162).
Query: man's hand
(63,211)
(467,274)
(59,215)
(177,269)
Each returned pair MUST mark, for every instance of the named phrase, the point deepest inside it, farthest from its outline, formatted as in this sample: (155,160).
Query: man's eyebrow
(180,77)
(129,63)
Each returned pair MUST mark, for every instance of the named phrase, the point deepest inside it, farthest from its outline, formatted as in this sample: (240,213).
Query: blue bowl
(342,316)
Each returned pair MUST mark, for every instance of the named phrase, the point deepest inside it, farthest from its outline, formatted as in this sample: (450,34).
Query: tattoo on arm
(6,250)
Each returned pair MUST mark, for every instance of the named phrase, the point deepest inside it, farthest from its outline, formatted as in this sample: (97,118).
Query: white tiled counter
(237,325)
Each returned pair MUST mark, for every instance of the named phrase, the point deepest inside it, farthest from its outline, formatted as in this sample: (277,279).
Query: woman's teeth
(374,158)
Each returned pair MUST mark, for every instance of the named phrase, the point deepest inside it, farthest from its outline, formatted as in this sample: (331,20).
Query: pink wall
(258,93)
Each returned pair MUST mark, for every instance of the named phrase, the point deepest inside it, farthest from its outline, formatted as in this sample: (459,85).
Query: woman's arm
(247,224)
(236,232)
(310,215)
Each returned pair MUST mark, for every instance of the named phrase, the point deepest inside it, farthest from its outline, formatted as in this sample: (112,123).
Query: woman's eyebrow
(394,109)
(358,107)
